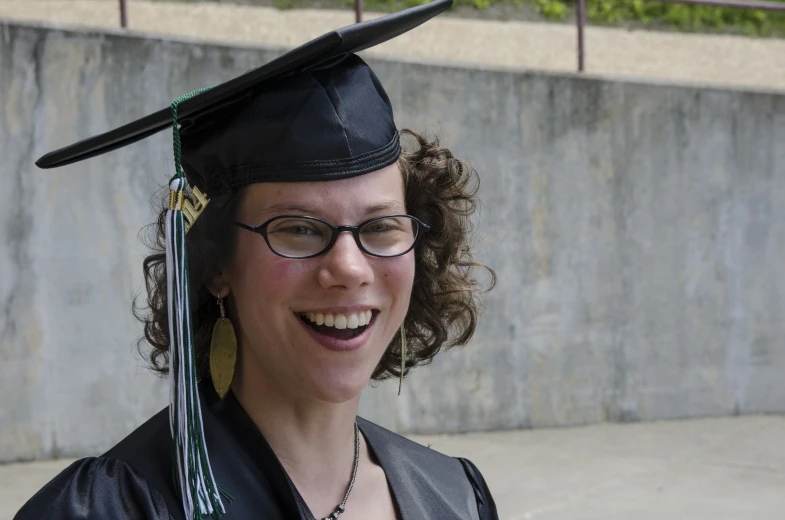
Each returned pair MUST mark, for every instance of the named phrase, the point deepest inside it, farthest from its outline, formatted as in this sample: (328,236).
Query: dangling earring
(223,352)
(403,357)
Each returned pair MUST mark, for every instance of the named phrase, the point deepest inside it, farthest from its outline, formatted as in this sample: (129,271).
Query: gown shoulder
(129,482)
(96,488)
(430,484)
(486,507)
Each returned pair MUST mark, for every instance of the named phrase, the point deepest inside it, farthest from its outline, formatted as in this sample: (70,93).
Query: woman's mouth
(339,326)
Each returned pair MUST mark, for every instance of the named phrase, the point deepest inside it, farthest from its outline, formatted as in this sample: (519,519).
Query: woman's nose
(345,265)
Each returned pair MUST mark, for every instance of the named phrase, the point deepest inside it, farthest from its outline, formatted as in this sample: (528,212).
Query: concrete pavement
(684,58)
(717,469)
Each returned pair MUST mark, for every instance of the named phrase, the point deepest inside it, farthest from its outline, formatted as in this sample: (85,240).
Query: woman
(325,257)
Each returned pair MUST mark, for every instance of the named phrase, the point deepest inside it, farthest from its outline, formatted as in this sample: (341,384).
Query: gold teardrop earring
(223,352)
(403,357)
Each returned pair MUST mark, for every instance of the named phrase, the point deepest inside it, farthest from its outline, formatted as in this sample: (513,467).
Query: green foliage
(618,12)
(551,9)
(395,5)
(686,17)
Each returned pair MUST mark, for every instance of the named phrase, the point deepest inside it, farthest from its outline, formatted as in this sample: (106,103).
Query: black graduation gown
(133,480)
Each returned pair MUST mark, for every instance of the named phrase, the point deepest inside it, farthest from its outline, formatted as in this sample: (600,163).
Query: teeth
(340,321)
(365,317)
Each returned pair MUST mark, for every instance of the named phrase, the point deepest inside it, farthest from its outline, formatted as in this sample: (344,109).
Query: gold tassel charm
(223,353)
(191,211)
(403,358)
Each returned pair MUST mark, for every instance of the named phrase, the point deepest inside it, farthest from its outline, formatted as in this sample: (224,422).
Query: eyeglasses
(292,236)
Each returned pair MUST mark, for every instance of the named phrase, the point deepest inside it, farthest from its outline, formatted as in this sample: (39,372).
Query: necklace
(342,506)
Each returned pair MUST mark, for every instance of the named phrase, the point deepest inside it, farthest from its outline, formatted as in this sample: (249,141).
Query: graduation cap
(320,84)
(315,113)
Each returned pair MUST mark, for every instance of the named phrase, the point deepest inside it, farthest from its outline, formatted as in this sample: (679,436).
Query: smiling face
(272,298)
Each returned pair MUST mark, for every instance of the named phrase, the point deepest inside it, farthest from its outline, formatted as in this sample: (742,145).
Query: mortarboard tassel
(193,474)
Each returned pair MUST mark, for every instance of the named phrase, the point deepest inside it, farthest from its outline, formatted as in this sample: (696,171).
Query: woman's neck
(313,440)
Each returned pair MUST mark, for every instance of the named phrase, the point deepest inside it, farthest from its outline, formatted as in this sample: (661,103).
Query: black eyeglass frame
(261,229)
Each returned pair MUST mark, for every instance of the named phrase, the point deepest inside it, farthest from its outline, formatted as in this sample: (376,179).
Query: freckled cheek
(397,274)
(267,275)
(283,273)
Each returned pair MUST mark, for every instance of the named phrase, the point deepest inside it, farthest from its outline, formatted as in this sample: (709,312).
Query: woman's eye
(378,228)
(299,230)
(295,228)
(384,226)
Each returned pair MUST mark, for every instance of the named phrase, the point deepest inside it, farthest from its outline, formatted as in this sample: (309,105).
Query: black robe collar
(135,479)
(424,483)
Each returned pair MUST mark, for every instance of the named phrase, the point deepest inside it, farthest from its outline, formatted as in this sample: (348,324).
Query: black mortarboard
(330,122)
(316,113)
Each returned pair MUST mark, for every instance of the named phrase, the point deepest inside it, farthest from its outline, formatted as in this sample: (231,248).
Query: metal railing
(758,5)
(580,15)
(123,14)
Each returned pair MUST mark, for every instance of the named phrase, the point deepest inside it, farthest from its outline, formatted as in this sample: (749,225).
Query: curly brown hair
(440,190)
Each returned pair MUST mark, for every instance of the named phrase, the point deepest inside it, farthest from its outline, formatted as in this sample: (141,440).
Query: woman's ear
(219,286)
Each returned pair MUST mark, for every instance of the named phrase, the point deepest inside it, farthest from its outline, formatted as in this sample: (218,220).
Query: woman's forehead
(374,192)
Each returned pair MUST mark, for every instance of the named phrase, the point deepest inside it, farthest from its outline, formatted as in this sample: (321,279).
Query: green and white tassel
(200,495)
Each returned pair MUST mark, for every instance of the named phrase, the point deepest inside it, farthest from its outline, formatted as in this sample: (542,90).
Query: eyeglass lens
(299,237)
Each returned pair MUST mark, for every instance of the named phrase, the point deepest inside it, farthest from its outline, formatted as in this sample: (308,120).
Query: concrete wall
(638,232)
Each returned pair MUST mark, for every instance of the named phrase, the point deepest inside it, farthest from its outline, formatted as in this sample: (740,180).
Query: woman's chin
(340,386)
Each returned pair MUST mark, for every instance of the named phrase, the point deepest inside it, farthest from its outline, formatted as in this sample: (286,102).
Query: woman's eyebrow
(383,206)
(288,208)
(296,208)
